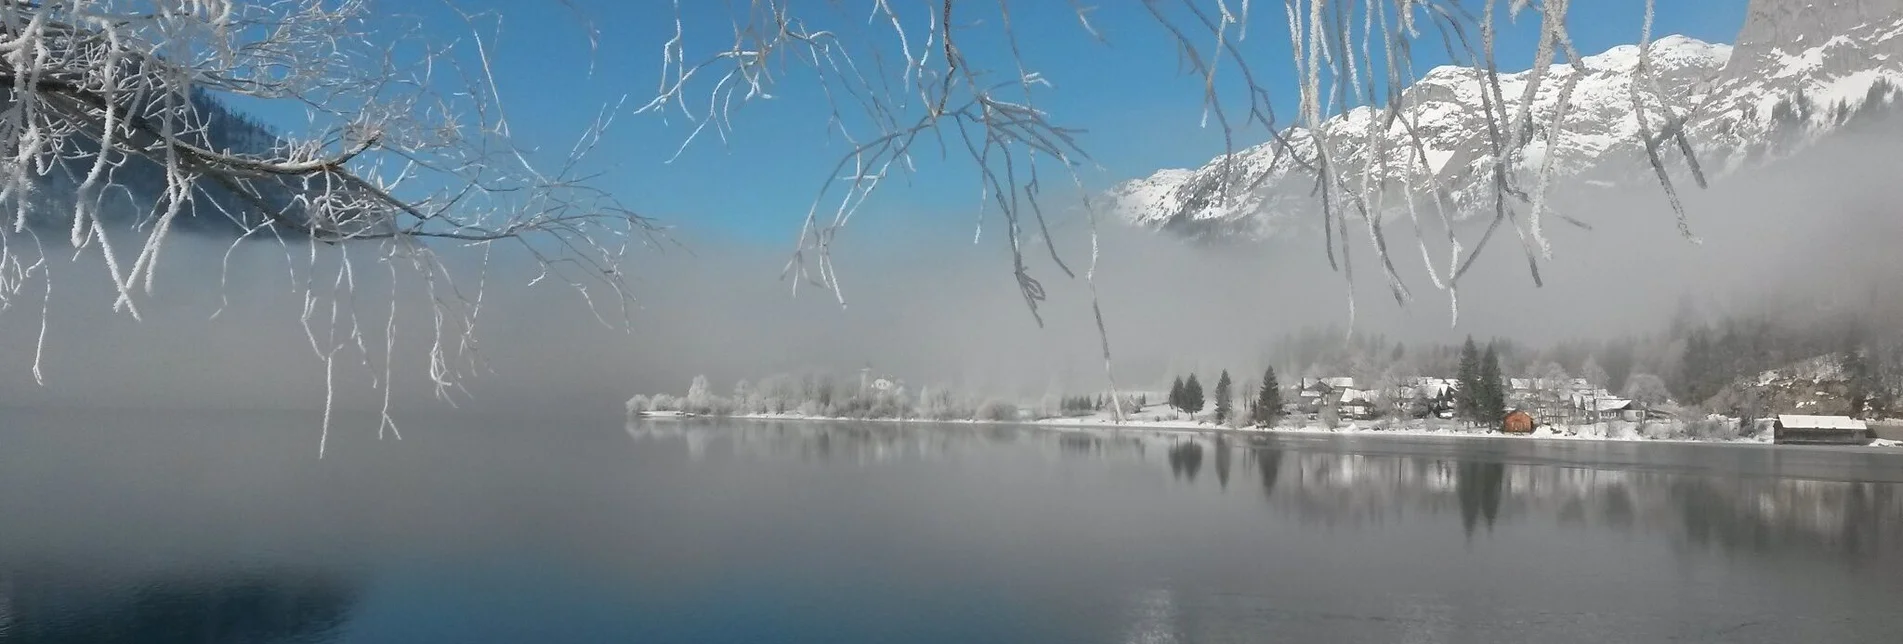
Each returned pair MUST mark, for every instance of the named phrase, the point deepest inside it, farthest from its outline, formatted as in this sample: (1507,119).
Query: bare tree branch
(407,142)
(1005,136)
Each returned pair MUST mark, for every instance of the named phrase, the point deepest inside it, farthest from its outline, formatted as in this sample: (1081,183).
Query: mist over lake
(220,527)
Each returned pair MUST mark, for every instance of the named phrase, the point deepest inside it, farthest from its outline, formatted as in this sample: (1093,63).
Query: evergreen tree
(1192,395)
(1176,393)
(1857,372)
(1493,405)
(1467,399)
(1222,397)
(1268,400)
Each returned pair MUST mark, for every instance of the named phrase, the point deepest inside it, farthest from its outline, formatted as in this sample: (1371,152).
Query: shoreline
(1090,424)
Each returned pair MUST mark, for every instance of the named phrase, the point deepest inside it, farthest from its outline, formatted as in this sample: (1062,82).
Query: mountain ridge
(1802,71)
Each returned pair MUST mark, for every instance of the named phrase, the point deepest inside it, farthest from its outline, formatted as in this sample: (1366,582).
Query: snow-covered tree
(1223,410)
(1472,394)
(1553,374)
(1492,395)
(744,398)
(1594,374)
(664,402)
(1268,400)
(384,162)
(1647,390)
(1192,395)
(1554,385)
(699,393)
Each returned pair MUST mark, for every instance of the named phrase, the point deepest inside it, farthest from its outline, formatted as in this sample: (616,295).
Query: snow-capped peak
(1743,103)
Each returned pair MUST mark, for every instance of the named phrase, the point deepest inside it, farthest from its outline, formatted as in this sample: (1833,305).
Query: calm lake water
(169,527)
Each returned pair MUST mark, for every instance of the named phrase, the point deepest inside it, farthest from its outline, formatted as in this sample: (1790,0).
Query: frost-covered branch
(115,125)
(909,76)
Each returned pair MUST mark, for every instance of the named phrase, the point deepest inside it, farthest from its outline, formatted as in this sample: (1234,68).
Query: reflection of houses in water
(1316,484)
(1759,514)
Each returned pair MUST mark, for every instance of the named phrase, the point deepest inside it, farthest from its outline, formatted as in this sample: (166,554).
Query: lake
(195,527)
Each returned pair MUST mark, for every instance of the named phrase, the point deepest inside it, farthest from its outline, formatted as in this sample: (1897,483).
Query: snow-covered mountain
(1802,70)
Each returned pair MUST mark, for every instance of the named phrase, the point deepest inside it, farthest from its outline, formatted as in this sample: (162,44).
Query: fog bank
(1812,232)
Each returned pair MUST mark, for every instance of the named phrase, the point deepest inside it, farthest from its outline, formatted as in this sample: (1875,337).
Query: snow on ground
(1160,417)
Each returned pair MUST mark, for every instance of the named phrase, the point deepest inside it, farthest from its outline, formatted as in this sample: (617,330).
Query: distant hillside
(1819,386)
(216,210)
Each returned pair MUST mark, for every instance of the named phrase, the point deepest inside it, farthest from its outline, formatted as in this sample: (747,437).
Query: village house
(1310,399)
(1424,396)
(1606,408)
(1793,429)
(1355,404)
(1317,393)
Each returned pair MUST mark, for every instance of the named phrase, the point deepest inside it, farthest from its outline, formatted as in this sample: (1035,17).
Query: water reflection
(250,608)
(1851,520)
(1222,462)
(712,530)
(1479,485)
(1268,463)
(1322,483)
(1186,458)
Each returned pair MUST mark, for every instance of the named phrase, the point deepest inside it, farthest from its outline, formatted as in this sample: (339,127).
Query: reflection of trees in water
(1079,444)
(1846,519)
(1767,515)
(1479,485)
(1268,463)
(848,442)
(249,609)
(870,442)
(1222,462)
(1758,514)
(1186,458)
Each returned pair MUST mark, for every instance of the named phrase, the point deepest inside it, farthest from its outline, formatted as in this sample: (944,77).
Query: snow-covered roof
(1353,395)
(1797,421)
(1432,387)
(1520,383)
(1610,404)
(1339,383)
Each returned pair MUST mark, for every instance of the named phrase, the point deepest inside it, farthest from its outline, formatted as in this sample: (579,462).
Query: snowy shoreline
(1593,433)
(1606,432)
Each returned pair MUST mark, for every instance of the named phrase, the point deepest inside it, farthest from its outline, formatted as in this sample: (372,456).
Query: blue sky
(1141,110)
